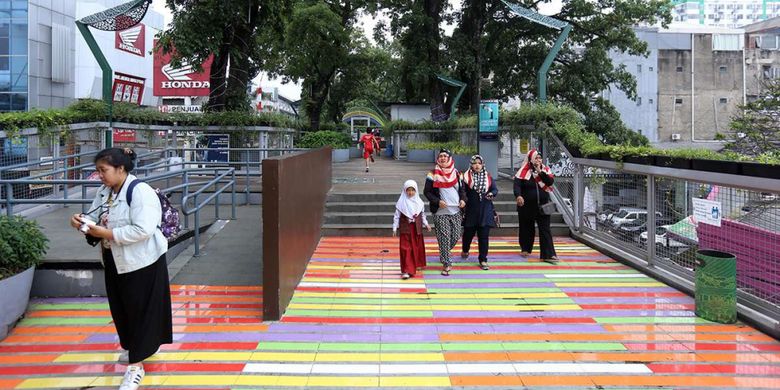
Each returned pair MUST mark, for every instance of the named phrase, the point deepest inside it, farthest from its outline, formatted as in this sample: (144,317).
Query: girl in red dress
(369,144)
(409,220)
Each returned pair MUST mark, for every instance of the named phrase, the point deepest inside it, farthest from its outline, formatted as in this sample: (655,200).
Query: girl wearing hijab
(409,219)
(479,218)
(447,196)
(532,187)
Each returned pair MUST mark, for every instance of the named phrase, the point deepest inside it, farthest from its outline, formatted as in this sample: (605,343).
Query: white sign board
(707,211)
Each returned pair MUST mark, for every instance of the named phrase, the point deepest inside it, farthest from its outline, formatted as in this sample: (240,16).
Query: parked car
(664,244)
(632,230)
(629,214)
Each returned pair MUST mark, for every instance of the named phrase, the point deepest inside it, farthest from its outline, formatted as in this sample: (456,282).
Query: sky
(367,22)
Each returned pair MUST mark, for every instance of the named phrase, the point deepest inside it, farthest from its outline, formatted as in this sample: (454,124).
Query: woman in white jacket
(133,251)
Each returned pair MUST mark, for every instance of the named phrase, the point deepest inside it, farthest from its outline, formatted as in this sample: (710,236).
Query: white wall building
(128,52)
(724,13)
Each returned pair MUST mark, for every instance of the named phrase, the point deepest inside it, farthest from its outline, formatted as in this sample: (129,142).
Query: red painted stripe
(198,305)
(361,289)
(199,293)
(625,294)
(216,320)
(119,368)
(228,346)
(683,368)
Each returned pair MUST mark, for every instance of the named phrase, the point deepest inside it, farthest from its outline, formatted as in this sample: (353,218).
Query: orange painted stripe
(486,381)
(21,358)
(679,328)
(659,380)
(45,339)
(476,356)
(556,337)
(9,383)
(556,380)
(62,329)
(225,328)
(69,313)
(196,287)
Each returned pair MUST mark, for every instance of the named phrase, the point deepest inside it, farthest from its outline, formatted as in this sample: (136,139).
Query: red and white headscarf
(479,182)
(526,171)
(445,176)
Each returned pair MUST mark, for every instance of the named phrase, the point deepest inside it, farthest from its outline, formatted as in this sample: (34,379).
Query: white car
(629,214)
(661,239)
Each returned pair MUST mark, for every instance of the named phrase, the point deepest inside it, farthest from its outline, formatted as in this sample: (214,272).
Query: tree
(604,120)
(756,128)
(243,35)
(491,45)
(316,47)
(416,26)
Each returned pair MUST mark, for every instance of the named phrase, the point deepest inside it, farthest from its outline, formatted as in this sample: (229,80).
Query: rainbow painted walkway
(588,322)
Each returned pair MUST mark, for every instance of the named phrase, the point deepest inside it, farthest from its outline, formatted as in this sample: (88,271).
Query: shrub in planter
(421,152)
(22,246)
(337,140)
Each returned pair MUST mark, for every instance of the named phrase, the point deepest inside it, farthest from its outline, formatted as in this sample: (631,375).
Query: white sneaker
(124,357)
(133,378)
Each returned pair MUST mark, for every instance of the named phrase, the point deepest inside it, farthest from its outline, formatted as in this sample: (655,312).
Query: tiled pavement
(588,322)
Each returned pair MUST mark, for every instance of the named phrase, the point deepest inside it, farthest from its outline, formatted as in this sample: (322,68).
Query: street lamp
(118,18)
(548,22)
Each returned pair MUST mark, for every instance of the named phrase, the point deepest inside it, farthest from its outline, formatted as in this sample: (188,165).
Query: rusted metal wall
(294,192)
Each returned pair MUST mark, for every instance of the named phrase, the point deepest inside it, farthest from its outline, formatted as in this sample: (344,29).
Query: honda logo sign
(132,40)
(182,80)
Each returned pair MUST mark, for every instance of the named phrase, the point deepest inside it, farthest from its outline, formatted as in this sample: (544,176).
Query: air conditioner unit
(675,136)
(741,135)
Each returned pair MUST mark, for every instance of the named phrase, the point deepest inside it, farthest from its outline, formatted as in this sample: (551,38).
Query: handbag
(547,208)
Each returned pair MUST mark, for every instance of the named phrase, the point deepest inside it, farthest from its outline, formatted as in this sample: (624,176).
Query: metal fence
(648,212)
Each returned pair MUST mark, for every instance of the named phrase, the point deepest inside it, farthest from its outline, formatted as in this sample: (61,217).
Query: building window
(723,69)
(767,71)
(677,100)
(679,68)
(650,68)
(639,101)
(650,100)
(639,68)
(723,100)
(13,56)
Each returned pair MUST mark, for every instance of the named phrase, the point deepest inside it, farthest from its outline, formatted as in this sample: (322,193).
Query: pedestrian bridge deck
(587,322)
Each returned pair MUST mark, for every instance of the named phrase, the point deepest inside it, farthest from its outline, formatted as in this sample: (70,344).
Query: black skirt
(140,303)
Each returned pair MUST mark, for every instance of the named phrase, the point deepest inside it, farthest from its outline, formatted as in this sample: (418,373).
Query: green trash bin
(716,286)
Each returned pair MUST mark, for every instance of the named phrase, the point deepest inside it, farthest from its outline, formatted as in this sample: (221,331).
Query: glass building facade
(13,55)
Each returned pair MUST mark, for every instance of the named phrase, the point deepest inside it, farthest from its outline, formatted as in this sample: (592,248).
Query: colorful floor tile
(587,322)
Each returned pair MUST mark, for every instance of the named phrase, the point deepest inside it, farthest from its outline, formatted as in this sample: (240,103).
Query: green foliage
(22,245)
(318,139)
(454,147)
(755,129)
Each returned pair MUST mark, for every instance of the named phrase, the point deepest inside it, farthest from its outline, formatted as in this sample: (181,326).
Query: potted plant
(22,246)
(335,139)
(421,152)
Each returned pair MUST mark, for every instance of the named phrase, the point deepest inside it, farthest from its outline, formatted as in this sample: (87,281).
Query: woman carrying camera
(133,253)
(532,187)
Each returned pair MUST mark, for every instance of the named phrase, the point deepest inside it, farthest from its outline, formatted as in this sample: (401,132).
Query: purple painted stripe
(489,285)
(633,300)
(507,275)
(564,314)
(69,300)
(617,289)
(214,337)
(409,338)
(475,329)
(547,328)
(407,329)
(322,328)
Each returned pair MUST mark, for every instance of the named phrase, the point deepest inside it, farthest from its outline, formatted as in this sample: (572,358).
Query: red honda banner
(182,80)
(128,88)
(132,40)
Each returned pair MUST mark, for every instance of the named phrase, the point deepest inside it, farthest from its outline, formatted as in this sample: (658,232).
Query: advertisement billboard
(132,40)
(128,88)
(182,80)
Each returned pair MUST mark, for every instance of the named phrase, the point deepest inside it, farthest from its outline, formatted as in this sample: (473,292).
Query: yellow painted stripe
(414,381)
(220,356)
(283,356)
(201,380)
(340,382)
(607,284)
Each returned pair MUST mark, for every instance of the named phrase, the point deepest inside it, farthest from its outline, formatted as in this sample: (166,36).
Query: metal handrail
(215,196)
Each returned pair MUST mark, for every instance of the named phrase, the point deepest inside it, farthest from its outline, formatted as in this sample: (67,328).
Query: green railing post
(108,77)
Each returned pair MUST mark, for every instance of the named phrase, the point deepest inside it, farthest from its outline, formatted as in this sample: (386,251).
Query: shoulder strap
(129,193)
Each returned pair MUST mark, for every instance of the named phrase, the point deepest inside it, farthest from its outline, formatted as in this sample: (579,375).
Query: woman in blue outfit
(479,211)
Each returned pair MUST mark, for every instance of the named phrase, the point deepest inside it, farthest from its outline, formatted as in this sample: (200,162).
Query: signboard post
(488,135)
(217,141)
